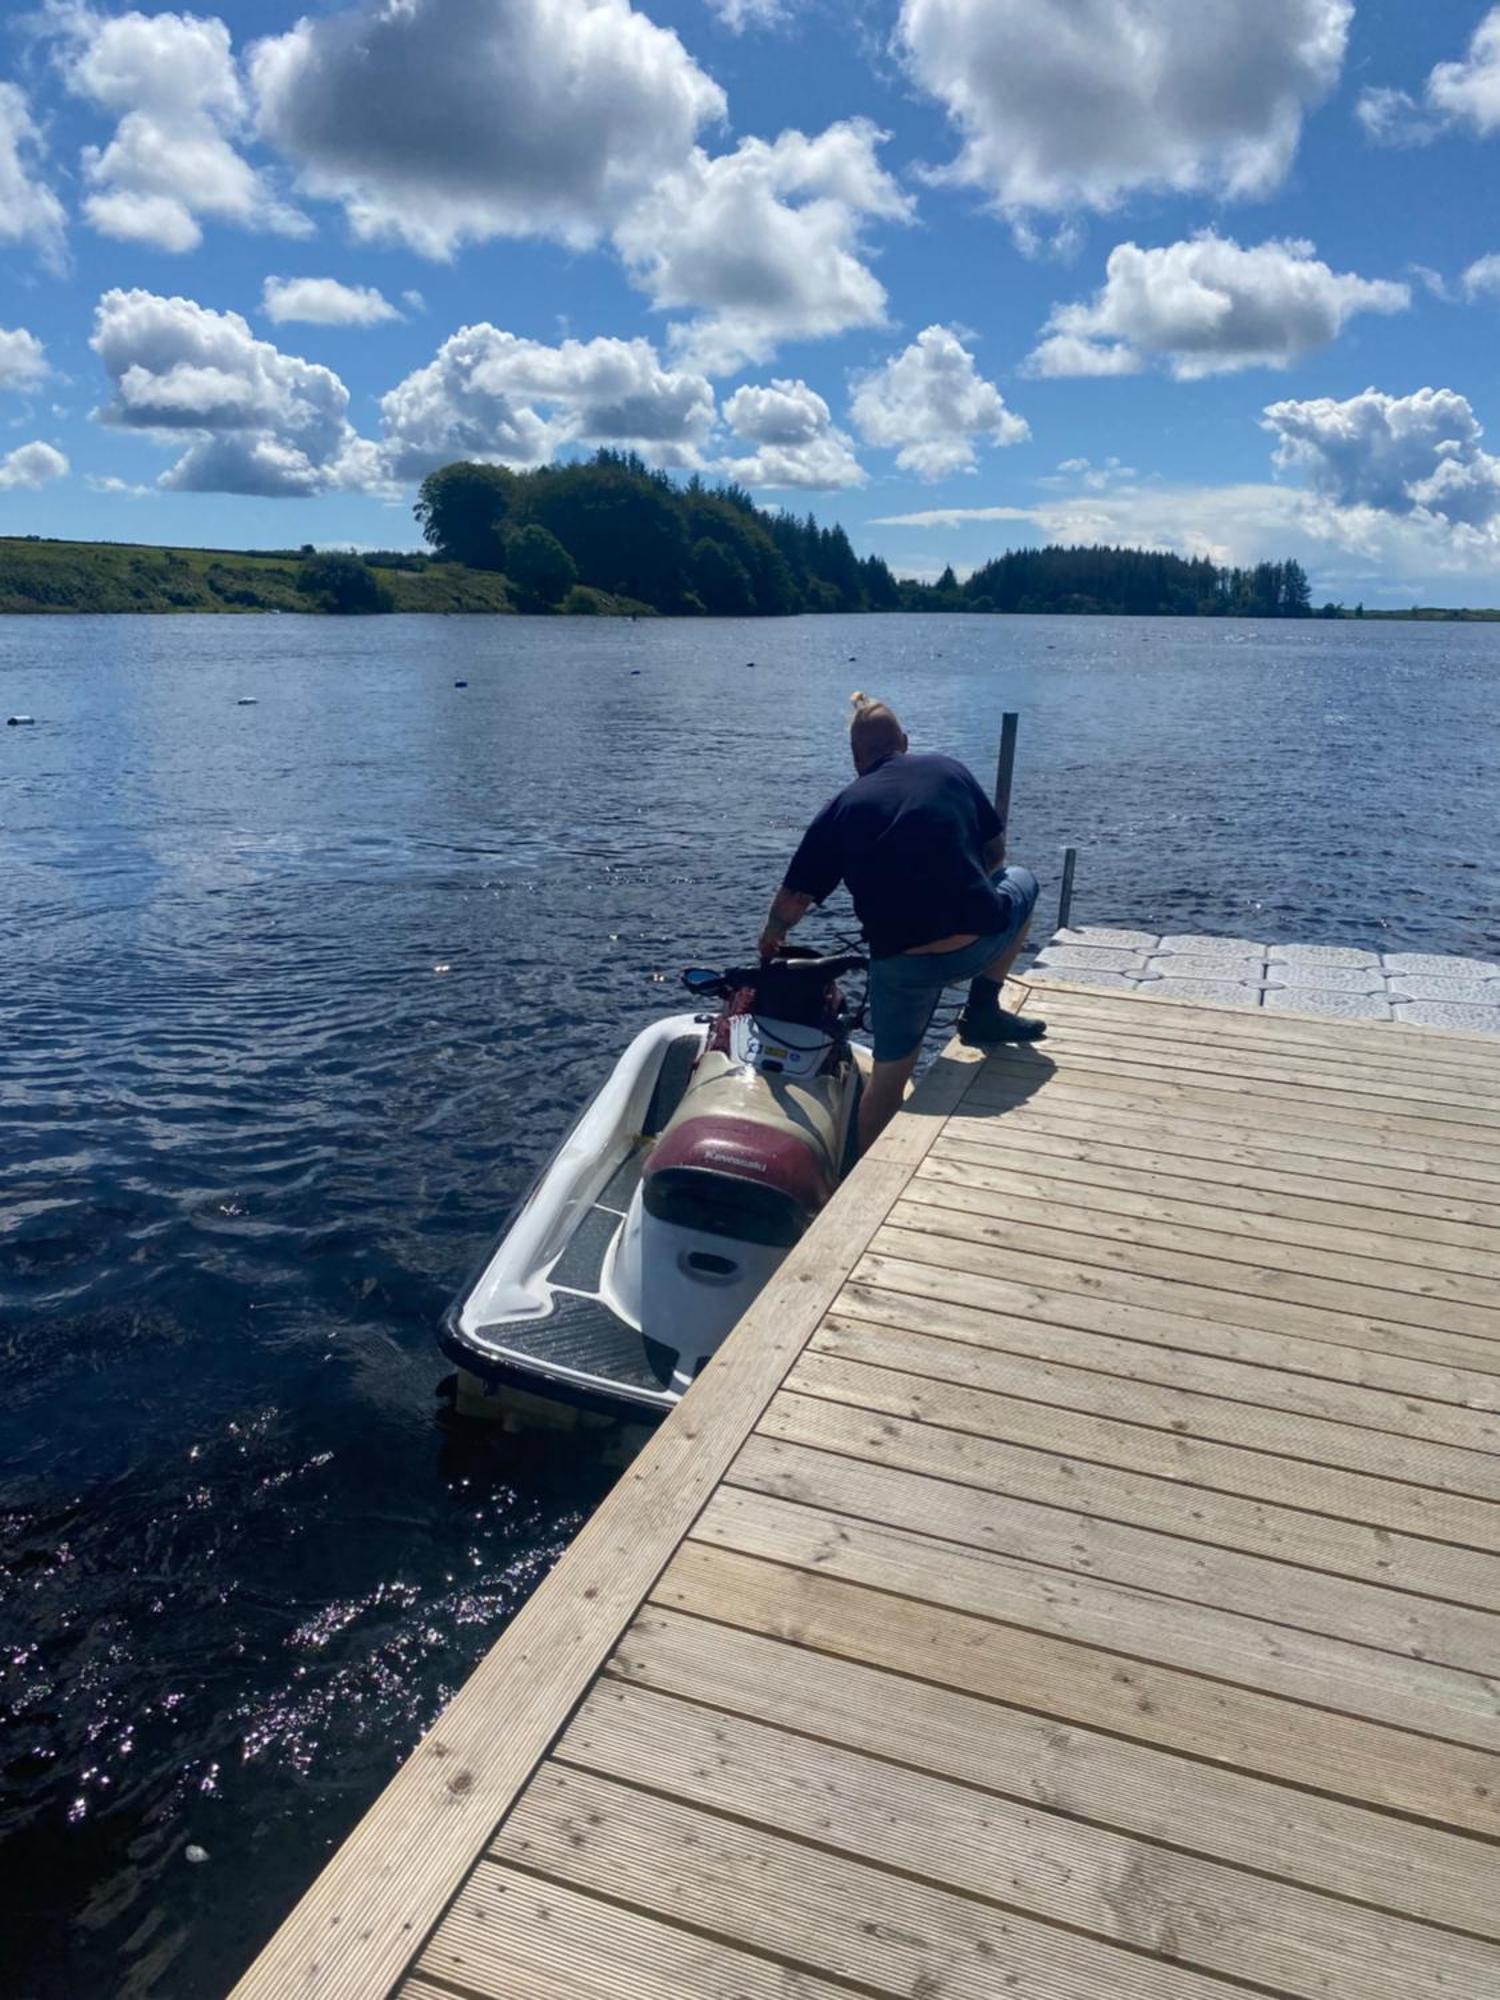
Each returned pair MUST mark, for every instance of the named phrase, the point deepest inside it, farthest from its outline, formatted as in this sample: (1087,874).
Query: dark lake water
(296,998)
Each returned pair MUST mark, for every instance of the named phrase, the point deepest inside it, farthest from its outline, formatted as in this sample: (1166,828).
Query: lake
(298,995)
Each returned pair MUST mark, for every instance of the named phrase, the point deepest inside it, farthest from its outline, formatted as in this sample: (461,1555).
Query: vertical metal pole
(1006,770)
(1065,898)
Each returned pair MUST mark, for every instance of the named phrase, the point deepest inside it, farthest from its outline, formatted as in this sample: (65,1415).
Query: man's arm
(788,908)
(994,854)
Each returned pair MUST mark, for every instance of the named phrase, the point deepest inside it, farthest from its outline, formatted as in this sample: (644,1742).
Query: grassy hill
(119,576)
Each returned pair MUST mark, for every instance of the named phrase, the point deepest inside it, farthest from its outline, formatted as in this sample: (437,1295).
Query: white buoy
(194,1853)
(18,721)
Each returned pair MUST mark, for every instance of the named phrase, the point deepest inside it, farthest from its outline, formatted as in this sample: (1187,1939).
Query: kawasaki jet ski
(710,1150)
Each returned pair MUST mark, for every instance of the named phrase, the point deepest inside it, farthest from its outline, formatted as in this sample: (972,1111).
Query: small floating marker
(247,701)
(635,673)
(460,684)
(443,967)
(19,721)
(194,1853)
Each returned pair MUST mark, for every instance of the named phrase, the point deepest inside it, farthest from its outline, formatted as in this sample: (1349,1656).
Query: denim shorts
(905,990)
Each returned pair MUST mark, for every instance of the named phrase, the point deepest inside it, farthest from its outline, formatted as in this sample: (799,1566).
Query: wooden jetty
(1077,1579)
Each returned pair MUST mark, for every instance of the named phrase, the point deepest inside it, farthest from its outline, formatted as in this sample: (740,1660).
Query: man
(923,853)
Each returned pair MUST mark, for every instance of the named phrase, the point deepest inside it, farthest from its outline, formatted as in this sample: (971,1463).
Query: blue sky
(1222,275)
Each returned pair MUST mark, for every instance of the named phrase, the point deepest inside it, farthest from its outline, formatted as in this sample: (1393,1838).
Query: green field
(117,576)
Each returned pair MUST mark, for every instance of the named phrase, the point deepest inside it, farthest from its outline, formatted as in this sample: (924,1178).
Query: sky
(1215,275)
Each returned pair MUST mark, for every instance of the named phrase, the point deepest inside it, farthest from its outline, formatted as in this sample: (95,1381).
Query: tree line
(611,534)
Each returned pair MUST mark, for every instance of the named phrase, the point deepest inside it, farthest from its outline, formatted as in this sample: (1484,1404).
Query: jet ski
(714,1144)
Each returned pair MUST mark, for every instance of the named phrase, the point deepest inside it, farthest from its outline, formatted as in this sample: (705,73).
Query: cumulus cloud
(440,122)
(1456,93)
(492,395)
(1482,278)
(324,302)
(931,404)
(23,359)
(1469,91)
(31,466)
(173,81)
(797,443)
(1401,455)
(1079,106)
(1208,307)
(255,420)
(29,211)
(763,243)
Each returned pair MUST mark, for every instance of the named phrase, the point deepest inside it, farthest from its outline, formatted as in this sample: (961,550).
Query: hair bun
(860,700)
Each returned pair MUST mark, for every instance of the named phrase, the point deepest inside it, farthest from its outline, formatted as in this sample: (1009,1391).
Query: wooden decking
(1078,1579)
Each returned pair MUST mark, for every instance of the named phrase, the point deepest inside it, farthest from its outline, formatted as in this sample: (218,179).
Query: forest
(609,534)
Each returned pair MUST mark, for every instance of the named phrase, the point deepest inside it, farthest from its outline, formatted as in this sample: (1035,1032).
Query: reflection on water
(296,997)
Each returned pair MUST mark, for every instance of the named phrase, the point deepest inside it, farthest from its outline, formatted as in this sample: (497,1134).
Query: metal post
(1006,771)
(1065,898)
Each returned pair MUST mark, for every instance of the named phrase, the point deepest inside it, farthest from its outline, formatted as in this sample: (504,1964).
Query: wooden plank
(1161,1014)
(1290,1120)
(1321,1223)
(351,1935)
(1472,1094)
(1344,1756)
(1193,1911)
(511,1936)
(1474,1299)
(1182,1540)
(885,1932)
(983,1268)
(1384,1420)
(1297,1836)
(1194,1467)
(1298,1106)
(1448,1045)
(848,1518)
(1023,1397)
(1103,1246)
(1149,1132)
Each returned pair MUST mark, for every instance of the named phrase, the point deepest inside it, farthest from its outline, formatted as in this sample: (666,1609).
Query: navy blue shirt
(908,838)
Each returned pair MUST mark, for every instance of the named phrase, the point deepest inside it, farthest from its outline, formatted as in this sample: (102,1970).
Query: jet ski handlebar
(813,970)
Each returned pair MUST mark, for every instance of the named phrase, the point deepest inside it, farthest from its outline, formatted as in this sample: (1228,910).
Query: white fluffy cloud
(1078,105)
(763,244)
(1456,93)
(1469,91)
(796,442)
(173,81)
(255,420)
(324,302)
(1208,307)
(29,211)
(23,359)
(440,122)
(933,407)
(492,395)
(1482,278)
(1402,455)
(32,465)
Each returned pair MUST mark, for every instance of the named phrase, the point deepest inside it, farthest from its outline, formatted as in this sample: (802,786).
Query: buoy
(460,684)
(247,701)
(635,673)
(16,721)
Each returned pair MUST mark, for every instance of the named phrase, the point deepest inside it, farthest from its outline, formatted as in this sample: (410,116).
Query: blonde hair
(874,729)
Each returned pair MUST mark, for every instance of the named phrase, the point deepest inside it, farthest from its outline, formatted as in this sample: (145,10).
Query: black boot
(984,1023)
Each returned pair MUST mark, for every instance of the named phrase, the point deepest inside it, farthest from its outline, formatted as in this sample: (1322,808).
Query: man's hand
(788,909)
